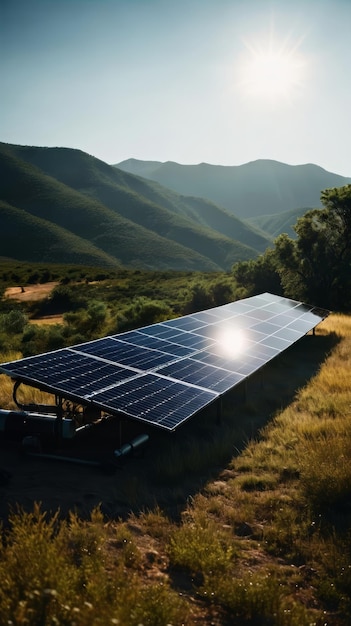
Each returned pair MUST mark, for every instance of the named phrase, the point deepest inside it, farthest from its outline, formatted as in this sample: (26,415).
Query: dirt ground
(30,293)
(33,293)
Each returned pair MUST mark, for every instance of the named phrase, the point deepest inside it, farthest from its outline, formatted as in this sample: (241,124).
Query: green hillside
(26,187)
(278,223)
(26,237)
(201,226)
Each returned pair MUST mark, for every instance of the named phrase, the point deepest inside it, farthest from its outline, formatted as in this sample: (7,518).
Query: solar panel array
(165,373)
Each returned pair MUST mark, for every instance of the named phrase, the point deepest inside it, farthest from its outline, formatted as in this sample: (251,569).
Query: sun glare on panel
(232,342)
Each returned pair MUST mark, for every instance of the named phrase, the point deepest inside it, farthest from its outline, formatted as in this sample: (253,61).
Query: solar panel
(164,373)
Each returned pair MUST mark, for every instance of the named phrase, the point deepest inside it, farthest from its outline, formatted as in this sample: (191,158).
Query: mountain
(114,217)
(262,187)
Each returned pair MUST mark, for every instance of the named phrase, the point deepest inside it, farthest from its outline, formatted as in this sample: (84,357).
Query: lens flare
(232,342)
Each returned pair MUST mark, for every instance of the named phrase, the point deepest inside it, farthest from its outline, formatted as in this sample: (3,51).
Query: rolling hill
(115,217)
(262,187)
(19,227)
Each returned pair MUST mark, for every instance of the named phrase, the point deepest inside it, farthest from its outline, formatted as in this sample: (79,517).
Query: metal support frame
(38,422)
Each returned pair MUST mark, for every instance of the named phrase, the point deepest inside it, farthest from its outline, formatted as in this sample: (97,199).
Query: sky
(224,82)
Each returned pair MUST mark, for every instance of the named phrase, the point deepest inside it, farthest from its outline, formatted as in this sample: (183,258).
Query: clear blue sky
(216,81)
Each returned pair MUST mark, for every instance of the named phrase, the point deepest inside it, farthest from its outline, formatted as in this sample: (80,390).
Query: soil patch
(30,293)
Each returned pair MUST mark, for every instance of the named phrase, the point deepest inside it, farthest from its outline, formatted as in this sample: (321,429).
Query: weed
(202,547)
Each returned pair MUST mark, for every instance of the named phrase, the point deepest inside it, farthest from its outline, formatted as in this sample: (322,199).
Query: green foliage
(202,294)
(199,299)
(13,322)
(38,339)
(142,312)
(315,266)
(63,298)
(258,276)
(23,273)
(87,321)
(94,303)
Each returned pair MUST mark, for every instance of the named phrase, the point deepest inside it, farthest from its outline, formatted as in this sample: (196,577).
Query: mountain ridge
(256,188)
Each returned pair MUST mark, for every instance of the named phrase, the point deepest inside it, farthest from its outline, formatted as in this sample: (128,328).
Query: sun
(271,71)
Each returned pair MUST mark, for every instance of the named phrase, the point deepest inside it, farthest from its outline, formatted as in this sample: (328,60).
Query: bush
(142,312)
(89,320)
(198,299)
(38,339)
(201,548)
(13,322)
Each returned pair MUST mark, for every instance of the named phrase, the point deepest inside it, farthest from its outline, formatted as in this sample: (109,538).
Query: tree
(316,267)
(258,275)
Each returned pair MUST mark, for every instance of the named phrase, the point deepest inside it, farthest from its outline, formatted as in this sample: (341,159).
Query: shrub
(257,599)
(38,339)
(142,312)
(201,547)
(13,322)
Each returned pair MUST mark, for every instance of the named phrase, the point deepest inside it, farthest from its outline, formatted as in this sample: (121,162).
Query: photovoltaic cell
(164,373)
(155,400)
(146,341)
(125,353)
(202,374)
(190,323)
